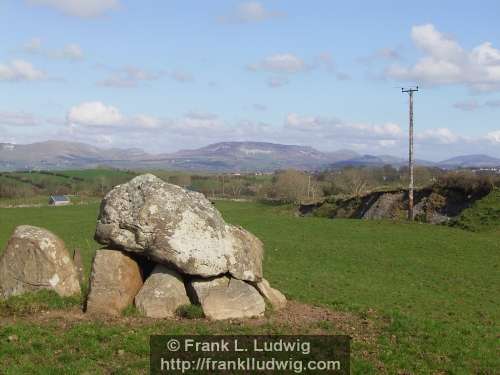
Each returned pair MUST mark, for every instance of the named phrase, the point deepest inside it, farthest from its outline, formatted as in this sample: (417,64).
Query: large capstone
(36,259)
(162,293)
(178,228)
(115,280)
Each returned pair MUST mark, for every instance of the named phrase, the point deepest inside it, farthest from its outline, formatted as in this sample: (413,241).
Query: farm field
(417,298)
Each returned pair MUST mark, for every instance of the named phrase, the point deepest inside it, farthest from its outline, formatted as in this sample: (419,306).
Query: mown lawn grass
(434,291)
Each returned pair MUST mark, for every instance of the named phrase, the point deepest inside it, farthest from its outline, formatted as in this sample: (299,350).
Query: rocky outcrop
(162,293)
(178,228)
(273,296)
(433,205)
(228,298)
(36,259)
(115,280)
(387,206)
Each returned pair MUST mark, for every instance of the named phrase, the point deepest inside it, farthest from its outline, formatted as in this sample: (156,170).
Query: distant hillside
(223,157)
(250,156)
(470,161)
(377,161)
(464,161)
(61,155)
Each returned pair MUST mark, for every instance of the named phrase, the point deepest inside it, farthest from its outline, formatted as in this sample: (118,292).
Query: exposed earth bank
(432,205)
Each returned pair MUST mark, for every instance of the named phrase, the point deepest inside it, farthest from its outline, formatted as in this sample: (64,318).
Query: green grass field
(483,215)
(430,291)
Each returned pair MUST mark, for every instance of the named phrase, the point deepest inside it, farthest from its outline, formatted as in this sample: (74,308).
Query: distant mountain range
(224,156)
(376,161)
(471,161)
(464,161)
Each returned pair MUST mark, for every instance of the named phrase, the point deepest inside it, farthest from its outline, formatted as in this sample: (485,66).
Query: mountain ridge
(222,156)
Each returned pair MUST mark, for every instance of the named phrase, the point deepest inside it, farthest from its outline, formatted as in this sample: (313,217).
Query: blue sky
(167,75)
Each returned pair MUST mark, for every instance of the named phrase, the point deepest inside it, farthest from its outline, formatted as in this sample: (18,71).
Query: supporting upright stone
(228,298)
(115,280)
(162,293)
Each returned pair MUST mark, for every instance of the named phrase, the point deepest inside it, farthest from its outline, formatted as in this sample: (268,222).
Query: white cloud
(91,121)
(439,136)
(494,136)
(281,63)
(20,70)
(382,138)
(445,61)
(109,118)
(95,114)
(250,11)
(332,133)
(145,121)
(301,123)
(99,123)
(387,142)
(17,119)
(436,44)
(388,129)
(80,8)
(333,127)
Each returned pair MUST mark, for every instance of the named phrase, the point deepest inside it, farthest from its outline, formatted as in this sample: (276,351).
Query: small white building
(58,200)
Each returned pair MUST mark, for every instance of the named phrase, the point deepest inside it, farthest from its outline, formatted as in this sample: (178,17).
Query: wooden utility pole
(410,92)
(223,185)
(308,185)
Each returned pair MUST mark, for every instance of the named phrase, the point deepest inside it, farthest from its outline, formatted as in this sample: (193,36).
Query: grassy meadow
(429,292)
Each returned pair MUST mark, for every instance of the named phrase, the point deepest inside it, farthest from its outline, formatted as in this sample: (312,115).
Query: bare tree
(291,185)
(352,181)
(235,186)
(102,184)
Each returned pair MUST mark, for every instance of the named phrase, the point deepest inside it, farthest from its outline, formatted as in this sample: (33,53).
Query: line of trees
(291,186)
